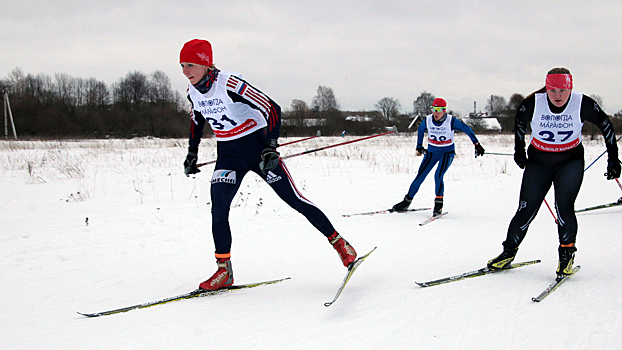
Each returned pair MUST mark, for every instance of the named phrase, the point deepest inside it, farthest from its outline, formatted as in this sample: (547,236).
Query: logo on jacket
(272,177)
(226,176)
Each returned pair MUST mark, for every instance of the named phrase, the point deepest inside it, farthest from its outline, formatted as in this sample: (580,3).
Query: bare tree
(327,108)
(496,105)
(421,105)
(97,94)
(300,111)
(325,100)
(160,90)
(515,101)
(389,108)
(131,90)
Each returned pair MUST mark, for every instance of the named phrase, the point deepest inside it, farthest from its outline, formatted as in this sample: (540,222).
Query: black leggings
(537,179)
(235,159)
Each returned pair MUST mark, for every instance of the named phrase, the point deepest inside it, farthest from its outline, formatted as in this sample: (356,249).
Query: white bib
(556,132)
(229,120)
(441,135)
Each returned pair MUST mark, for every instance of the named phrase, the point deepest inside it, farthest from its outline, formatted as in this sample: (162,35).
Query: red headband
(559,81)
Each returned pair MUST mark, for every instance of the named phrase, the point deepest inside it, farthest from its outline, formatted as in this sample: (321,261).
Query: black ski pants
(566,179)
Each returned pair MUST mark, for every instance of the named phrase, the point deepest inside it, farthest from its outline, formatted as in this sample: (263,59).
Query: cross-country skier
(246,125)
(440,127)
(554,157)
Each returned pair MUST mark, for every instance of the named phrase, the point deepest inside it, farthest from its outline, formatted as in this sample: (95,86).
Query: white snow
(149,237)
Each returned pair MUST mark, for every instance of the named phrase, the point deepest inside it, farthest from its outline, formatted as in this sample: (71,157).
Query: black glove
(520,158)
(479,150)
(613,169)
(421,150)
(190,164)
(269,156)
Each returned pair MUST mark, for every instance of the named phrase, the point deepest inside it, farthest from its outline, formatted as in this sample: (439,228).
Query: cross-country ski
(434,218)
(386,211)
(553,286)
(194,294)
(475,273)
(602,206)
(349,274)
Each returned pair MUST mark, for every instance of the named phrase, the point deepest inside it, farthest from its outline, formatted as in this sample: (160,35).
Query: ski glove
(190,164)
(520,158)
(613,169)
(421,150)
(479,150)
(269,156)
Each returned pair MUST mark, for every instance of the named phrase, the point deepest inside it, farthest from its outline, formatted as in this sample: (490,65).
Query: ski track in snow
(148,237)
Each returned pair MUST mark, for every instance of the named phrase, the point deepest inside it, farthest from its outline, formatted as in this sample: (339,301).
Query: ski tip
(88,315)
(328,304)
(535,300)
(421,284)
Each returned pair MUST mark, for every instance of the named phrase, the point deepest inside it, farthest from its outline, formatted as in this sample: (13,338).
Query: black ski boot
(566,259)
(438,206)
(504,259)
(403,205)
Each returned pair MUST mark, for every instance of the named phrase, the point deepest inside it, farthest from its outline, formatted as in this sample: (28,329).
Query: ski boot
(566,259)
(223,277)
(503,260)
(438,206)
(403,205)
(343,248)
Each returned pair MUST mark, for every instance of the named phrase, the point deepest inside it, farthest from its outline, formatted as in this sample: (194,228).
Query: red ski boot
(223,277)
(343,248)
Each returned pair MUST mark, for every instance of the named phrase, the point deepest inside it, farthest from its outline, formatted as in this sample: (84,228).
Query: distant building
(306,122)
(482,121)
(359,118)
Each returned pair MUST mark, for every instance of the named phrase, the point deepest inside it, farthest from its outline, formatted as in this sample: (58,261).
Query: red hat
(439,102)
(197,51)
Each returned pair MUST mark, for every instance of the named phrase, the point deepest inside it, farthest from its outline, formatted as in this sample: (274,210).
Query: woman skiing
(246,125)
(440,127)
(554,157)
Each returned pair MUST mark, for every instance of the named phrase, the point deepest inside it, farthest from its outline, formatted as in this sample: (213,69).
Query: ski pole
(618,181)
(602,154)
(499,154)
(284,144)
(335,145)
(305,139)
(548,206)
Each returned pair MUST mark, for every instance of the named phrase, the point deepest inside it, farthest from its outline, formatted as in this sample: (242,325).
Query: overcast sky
(364,50)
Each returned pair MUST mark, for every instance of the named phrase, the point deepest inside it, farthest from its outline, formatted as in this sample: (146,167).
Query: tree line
(146,105)
(63,106)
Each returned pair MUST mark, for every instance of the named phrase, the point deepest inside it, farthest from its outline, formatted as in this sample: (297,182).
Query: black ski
(386,211)
(608,205)
(553,286)
(470,274)
(194,294)
(433,218)
(351,270)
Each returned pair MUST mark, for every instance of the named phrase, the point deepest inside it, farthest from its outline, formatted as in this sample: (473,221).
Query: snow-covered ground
(95,225)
